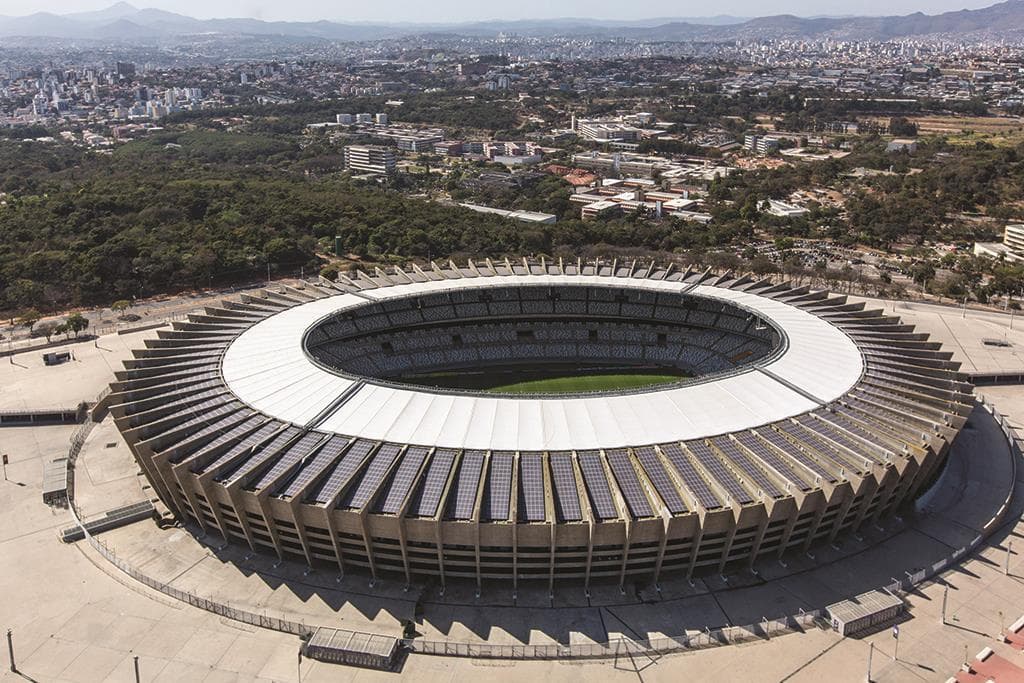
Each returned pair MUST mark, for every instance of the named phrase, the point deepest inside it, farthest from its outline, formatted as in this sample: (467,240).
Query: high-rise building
(370,159)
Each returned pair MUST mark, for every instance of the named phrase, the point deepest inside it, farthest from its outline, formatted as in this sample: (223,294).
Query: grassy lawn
(579,383)
(549,379)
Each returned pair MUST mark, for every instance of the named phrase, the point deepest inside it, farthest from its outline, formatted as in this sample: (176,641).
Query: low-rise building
(1010,249)
(783,209)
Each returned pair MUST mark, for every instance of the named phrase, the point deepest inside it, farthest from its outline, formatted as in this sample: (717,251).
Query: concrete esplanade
(287,422)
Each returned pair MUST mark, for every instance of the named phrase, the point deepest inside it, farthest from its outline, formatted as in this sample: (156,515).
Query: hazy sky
(463,10)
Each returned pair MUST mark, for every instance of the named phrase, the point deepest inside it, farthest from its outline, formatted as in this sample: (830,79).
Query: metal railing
(623,646)
(127,327)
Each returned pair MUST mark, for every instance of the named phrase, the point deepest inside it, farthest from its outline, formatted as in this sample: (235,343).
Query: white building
(370,159)
(1010,249)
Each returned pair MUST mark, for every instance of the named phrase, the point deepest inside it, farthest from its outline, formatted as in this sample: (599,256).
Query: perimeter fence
(623,646)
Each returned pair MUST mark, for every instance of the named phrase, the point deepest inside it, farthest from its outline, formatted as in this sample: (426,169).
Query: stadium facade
(284,421)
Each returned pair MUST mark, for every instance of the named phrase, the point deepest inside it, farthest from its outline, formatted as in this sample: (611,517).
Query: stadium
(539,421)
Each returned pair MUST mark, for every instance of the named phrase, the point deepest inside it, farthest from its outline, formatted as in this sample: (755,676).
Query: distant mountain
(123,21)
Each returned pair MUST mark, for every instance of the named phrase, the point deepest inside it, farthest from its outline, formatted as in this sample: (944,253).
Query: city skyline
(458,11)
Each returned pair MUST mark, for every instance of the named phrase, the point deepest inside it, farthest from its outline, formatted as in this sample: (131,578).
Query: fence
(653,647)
(139,325)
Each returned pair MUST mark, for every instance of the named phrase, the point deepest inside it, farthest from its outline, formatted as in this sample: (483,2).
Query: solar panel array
(497,495)
(897,429)
(707,498)
(830,432)
(428,495)
(660,480)
(819,447)
(625,476)
(467,483)
(823,439)
(198,438)
(714,467)
(776,440)
(357,497)
(199,413)
(296,452)
(597,485)
(531,487)
(339,475)
(878,438)
(398,488)
(773,460)
(249,442)
(747,466)
(201,456)
(261,456)
(567,496)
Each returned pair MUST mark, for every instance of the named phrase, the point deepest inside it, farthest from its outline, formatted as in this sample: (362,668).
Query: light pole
(1006,567)
(136,658)
(945,598)
(10,651)
(871,651)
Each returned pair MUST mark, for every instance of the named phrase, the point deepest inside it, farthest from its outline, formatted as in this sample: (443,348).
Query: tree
(76,323)
(901,126)
(29,318)
(329,272)
(47,328)
(120,306)
(23,293)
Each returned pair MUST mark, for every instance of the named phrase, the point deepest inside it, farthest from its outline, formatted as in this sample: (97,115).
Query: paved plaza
(75,617)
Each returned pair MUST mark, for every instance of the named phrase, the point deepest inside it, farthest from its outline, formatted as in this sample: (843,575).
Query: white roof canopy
(267,368)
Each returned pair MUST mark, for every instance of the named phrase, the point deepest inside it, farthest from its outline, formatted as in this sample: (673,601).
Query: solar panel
(357,497)
(567,497)
(707,498)
(894,402)
(467,482)
(260,456)
(199,457)
(197,413)
(741,460)
(876,438)
(249,442)
(625,476)
(662,482)
(340,473)
(771,459)
(714,467)
(597,485)
(829,437)
(531,487)
(428,495)
(289,457)
(821,448)
(398,488)
(497,495)
(775,439)
(899,428)
(197,439)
